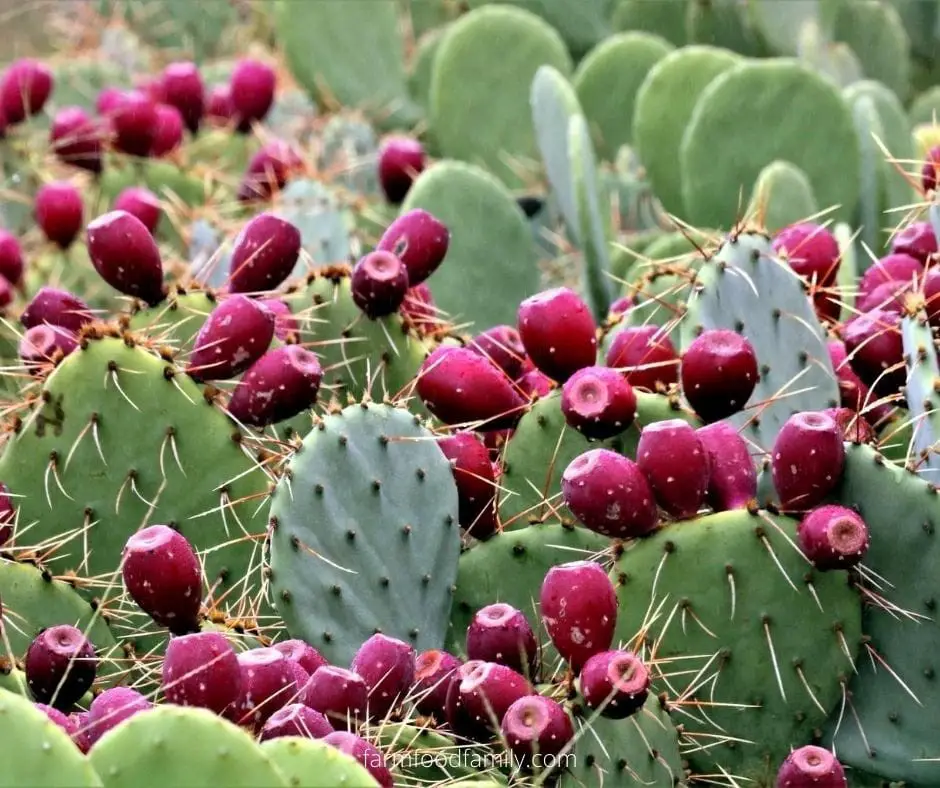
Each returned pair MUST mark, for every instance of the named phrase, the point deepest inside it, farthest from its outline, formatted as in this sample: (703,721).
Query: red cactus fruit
(833,537)
(293,372)
(419,309)
(340,694)
(268,683)
(435,671)
(76,138)
(125,255)
(387,665)
(873,343)
(811,767)
(810,250)
(111,708)
(364,752)
(928,172)
(7,514)
(141,202)
(500,633)
(558,332)
(60,666)
(219,107)
(54,307)
(502,346)
(58,209)
(476,482)
(11,258)
(168,132)
(401,160)
(732,482)
(236,335)
(295,719)
(677,465)
(481,695)
(379,282)
(807,459)
(24,89)
(264,254)
(420,240)
(134,120)
(598,402)
(917,240)
(645,356)
(202,670)
(536,727)
(252,88)
(616,682)
(719,373)
(42,344)
(303,654)
(183,89)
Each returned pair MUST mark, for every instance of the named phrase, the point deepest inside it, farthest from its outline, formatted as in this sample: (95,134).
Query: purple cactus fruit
(853,393)
(928,173)
(379,282)
(168,132)
(125,255)
(6,292)
(500,633)
(64,721)
(81,735)
(252,87)
(719,373)
(833,537)
(732,483)
(58,209)
(292,372)
(811,767)
(558,332)
(598,402)
(609,494)
(268,684)
(236,335)
(855,428)
(340,694)
(108,99)
(616,682)
(264,254)
(502,346)
(435,671)
(41,344)
(535,726)
(60,666)
(76,139)
(365,753)
(480,696)
(579,610)
(401,160)
(163,576)
(268,171)
(891,268)
(534,384)
(295,719)
(11,258)
(24,90)
(202,670)
(142,203)
(419,240)
(388,667)
(645,356)
(303,654)
(677,465)
(810,250)
(286,326)
(111,708)
(219,107)
(459,386)
(876,353)
(476,482)
(7,514)
(419,309)
(134,120)
(889,296)
(807,459)
(183,89)
(622,305)
(917,240)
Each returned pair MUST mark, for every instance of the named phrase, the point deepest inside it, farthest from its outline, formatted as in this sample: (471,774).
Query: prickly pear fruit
(387,666)
(285,324)
(370,757)
(500,633)
(853,393)
(476,482)
(183,89)
(108,99)
(111,708)
(7,514)
(609,494)
(833,537)
(64,721)
(11,258)
(732,483)
(60,666)
(917,240)
(558,332)
(459,386)
(889,296)
(134,120)
(24,90)
(622,305)
(163,576)
(264,254)
(268,170)
(719,373)
(219,107)
(295,719)
(502,346)
(645,356)
(536,726)
(579,610)
(811,250)
(168,132)
(419,309)
(268,684)
(202,670)
(76,139)
(419,240)
(41,344)
(252,88)
(142,203)
(401,160)
(379,282)
(855,428)
(598,402)
(125,255)
(480,696)
(236,335)
(534,384)
(616,682)
(891,268)
(58,209)
(279,385)
(340,694)
(811,767)
(676,463)
(435,671)
(303,654)
(807,459)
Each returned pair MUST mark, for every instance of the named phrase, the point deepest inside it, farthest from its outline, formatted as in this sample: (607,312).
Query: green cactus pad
(422,68)
(745,288)
(733,588)
(177,320)
(175,745)
(79,80)
(876,34)
(607,81)
(305,763)
(782,25)
(483,69)
(365,535)
(13,680)
(764,103)
(783,195)
(426,757)
(324,223)
(664,105)
(663,18)
(724,23)
(163,178)
(36,752)
(923,401)
(485,274)
(889,733)
(926,108)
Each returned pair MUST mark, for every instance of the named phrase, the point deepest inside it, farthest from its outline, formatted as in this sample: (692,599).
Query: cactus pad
(305,763)
(325,225)
(177,320)
(921,394)
(783,195)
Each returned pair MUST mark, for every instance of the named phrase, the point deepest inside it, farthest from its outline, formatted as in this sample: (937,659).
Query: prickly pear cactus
(923,401)
(305,763)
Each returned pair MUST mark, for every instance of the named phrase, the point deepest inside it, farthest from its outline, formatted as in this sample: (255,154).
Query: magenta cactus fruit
(293,372)
(108,100)
(252,89)
(264,254)
(460,386)
(66,722)
(807,459)
(732,483)
(183,89)
(79,721)
(609,494)
(236,335)
(419,240)
(58,209)
(141,202)
(163,576)
(125,255)
(134,120)
(616,682)
(645,356)
(892,268)
(401,160)
(677,465)
(889,296)
(917,240)
(579,610)
(873,342)
(419,309)
(387,665)
(369,756)
(379,282)
(810,250)
(303,654)
(11,258)
(481,695)
(853,393)
(534,384)
(928,172)
(76,139)
(111,708)
(500,633)
(435,671)
(268,171)
(60,666)
(622,305)
(219,107)
(286,326)
(202,670)
(25,89)
(502,346)
(855,428)
(536,726)
(7,514)
(719,373)
(168,132)
(340,694)
(476,482)
(558,332)
(41,344)
(268,684)
(598,402)
(833,537)
(295,719)
(811,767)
